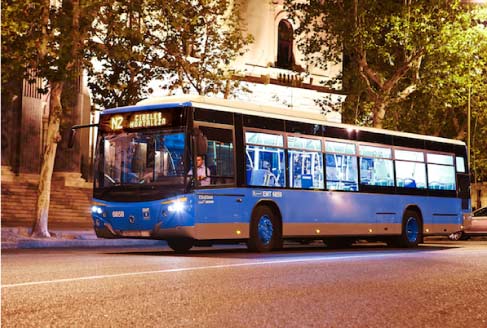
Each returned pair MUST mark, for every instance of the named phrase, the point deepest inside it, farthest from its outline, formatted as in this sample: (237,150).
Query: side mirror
(72,133)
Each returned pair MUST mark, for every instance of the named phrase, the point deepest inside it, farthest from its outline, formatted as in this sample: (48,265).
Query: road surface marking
(210,267)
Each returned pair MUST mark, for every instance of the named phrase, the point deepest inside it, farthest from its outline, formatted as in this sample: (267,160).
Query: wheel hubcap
(412,229)
(456,236)
(265,229)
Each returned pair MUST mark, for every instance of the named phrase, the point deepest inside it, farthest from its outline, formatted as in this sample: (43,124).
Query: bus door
(463,182)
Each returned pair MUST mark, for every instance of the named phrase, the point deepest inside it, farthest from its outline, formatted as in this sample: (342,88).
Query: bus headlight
(176,207)
(96,209)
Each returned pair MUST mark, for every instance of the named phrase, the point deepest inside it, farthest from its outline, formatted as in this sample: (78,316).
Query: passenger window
(409,155)
(460,161)
(410,175)
(376,168)
(264,139)
(440,159)
(341,169)
(441,172)
(410,169)
(340,147)
(305,166)
(264,164)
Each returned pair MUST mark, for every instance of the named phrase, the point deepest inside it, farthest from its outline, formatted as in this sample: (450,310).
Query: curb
(87,243)
(80,243)
(17,238)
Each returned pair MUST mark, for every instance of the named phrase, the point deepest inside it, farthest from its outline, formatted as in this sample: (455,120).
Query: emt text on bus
(265,175)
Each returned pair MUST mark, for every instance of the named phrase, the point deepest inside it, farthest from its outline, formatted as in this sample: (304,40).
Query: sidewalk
(17,238)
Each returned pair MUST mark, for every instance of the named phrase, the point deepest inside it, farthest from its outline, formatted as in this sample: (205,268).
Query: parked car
(475,226)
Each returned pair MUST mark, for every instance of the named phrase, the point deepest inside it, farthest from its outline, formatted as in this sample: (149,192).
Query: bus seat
(409,183)
(434,185)
(257,177)
(306,181)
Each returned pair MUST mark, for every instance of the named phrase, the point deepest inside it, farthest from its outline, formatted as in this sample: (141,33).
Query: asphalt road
(441,284)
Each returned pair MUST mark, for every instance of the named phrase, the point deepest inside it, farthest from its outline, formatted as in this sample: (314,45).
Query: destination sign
(140,120)
(147,120)
(144,120)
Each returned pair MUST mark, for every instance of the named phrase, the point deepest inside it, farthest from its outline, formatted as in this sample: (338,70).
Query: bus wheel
(456,236)
(412,230)
(460,235)
(265,230)
(180,245)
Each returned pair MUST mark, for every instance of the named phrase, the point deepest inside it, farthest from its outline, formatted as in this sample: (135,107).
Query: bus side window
(341,172)
(441,171)
(265,166)
(376,172)
(219,155)
(265,159)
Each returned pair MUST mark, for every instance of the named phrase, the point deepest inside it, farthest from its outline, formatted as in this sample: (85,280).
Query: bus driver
(202,172)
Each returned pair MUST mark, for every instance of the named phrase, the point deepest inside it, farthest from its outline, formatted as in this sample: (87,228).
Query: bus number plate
(118,214)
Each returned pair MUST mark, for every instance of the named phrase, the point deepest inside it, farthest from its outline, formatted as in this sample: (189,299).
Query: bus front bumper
(105,230)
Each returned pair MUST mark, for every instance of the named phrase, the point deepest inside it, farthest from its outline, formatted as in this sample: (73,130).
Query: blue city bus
(272,175)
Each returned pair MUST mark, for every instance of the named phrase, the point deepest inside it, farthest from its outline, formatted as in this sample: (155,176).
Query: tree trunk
(379,112)
(40,228)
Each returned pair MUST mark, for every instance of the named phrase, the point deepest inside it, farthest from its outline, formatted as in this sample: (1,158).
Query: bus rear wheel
(412,230)
(180,245)
(459,235)
(265,230)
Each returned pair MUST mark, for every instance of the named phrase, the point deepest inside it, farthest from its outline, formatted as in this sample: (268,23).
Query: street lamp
(476,3)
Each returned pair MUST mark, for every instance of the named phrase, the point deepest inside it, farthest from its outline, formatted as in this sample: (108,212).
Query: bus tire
(412,230)
(265,231)
(180,245)
(459,235)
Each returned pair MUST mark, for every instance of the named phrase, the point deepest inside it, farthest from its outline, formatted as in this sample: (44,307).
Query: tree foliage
(186,45)
(126,59)
(384,41)
(408,65)
(135,41)
(44,40)
(451,73)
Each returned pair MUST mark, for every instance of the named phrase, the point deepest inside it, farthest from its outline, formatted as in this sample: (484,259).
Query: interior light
(238,232)
(318,231)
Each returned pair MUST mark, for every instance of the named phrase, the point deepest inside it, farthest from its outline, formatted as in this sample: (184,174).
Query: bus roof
(277,112)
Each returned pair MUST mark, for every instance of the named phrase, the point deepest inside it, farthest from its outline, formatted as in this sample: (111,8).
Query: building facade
(24,130)
(273,70)
(276,71)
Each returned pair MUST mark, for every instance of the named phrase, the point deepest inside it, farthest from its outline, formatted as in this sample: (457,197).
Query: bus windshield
(136,158)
